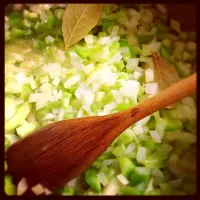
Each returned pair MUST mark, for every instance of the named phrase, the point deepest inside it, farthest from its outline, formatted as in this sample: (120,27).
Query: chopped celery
(68,191)
(152,123)
(124,43)
(165,53)
(92,180)
(15,19)
(107,24)
(137,178)
(127,190)
(16,33)
(9,187)
(21,113)
(118,151)
(173,124)
(6,142)
(125,138)
(122,106)
(154,162)
(83,52)
(127,167)
(25,129)
(150,144)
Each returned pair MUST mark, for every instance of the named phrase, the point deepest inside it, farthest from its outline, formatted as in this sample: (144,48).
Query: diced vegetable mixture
(110,70)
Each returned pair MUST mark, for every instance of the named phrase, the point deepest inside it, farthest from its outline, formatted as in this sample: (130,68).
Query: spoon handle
(165,98)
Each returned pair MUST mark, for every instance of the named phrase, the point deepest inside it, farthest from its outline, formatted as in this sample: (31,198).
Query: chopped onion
(122,179)
(141,154)
(72,183)
(102,178)
(155,136)
(22,186)
(47,192)
(38,189)
(151,88)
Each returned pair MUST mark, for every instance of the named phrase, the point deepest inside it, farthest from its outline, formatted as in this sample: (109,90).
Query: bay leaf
(78,20)
(164,73)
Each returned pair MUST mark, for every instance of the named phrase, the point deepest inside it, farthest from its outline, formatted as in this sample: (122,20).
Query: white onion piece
(22,187)
(122,179)
(38,189)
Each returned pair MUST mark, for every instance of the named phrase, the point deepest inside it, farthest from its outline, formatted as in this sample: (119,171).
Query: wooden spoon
(56,153)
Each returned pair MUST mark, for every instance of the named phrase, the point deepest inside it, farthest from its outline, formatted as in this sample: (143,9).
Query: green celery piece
(97,164)
(124,138)
(76,103)
(102,34)
(120,66)
(122,106)
(69,191)
(114,48)
(173,124)
(42,36)
(56,105)
(150,145)
(41,44)
(144,39)
(51,22)
(117,15)
(41,113)
(52,53)
(165,53)
(105,156)
(59,13)
(9,187)
(152,123)
(41,27)
(141,90)
(17,33)
(15,19)
(137,178)
(6,142)
(155,161)
(25,129)
(92,180)
(118,151)
(107,24)
(83,52)
(124,43)
(127,190)
(20,115)
(26,91)
(127,167)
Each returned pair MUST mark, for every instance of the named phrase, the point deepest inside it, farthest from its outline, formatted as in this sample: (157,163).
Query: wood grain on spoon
(56,153)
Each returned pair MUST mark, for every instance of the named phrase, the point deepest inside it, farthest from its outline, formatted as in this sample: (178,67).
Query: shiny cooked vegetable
(109,70)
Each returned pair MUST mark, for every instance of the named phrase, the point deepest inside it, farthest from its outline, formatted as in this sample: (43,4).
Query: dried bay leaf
(78,20)
(164,73)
